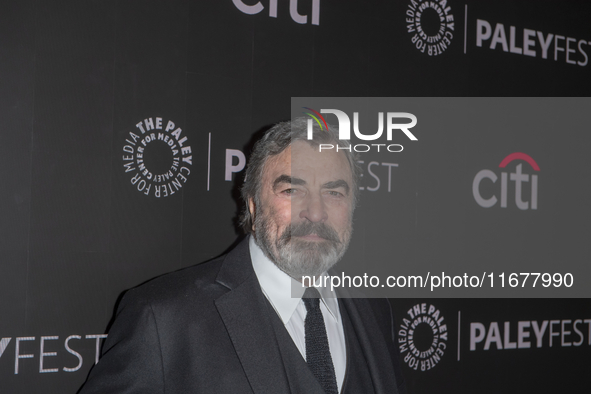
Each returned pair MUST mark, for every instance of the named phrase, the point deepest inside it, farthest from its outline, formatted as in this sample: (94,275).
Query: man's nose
(314,209)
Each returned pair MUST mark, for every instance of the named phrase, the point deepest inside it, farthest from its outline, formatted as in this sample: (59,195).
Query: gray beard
(297,257)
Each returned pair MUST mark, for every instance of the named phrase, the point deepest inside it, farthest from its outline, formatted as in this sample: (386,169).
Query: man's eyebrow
(336,184)
(287,179)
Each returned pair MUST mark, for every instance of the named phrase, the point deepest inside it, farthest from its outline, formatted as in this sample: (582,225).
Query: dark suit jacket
(210,329)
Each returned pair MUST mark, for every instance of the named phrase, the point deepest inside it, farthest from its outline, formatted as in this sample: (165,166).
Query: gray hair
(276,140)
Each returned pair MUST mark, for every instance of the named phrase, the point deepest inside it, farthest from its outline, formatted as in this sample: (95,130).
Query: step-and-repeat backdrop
(125,127)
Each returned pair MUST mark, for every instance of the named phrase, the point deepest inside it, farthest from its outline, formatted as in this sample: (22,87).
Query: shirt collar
(277,286)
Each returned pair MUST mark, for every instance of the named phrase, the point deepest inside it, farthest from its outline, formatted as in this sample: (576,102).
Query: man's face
(303,223)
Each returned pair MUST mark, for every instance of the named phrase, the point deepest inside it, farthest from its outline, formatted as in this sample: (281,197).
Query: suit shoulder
(194,282)
(381,308)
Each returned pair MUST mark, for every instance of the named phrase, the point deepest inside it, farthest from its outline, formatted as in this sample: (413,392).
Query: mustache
(307,228)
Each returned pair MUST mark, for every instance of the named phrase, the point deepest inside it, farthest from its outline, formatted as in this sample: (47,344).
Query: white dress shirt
(277,287)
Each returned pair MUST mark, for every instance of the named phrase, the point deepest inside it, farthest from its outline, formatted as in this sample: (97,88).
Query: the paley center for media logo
(431,25)
(522,183)
(422,337)
(391,120)
(158,157)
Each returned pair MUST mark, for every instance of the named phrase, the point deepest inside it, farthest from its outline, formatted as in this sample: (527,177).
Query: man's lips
(312,237)
(310,232)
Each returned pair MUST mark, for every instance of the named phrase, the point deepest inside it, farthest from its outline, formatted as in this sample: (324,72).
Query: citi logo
(522,182)
(293,10)
(345,129)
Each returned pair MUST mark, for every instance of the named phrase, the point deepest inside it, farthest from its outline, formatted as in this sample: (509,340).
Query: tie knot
(311,298)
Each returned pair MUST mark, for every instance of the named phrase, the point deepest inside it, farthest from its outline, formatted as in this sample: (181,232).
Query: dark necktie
(317,350)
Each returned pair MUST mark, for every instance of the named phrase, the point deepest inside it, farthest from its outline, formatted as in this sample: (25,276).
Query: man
(231,325)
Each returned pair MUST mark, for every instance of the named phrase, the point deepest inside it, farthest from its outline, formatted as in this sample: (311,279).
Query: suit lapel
(300,377)
(245,314)
(373,345)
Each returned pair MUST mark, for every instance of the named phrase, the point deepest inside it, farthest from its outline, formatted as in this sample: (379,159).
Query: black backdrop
(76,231)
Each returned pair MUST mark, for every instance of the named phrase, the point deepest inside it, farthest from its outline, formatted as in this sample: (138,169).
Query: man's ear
(252,210)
